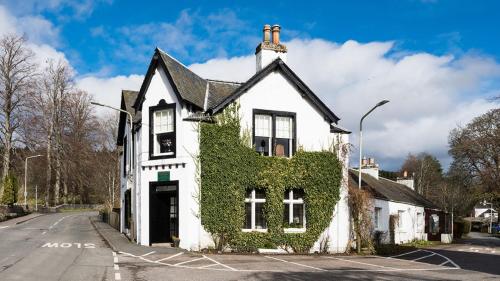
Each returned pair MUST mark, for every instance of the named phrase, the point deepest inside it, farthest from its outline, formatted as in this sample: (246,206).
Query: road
(61,246)
(66,246)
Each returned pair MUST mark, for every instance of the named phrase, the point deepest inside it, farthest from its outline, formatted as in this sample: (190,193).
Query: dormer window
(274,133)
(162,142)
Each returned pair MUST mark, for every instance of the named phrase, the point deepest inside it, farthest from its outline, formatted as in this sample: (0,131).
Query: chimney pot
(267,33)
(276,34)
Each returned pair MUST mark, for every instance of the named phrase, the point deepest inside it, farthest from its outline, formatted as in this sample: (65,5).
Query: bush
(392,249)
(11,188)
(466,227)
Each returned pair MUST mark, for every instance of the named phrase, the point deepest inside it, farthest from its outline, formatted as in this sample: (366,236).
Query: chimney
(405,180)
(276,34)
(368,166)
(270,48)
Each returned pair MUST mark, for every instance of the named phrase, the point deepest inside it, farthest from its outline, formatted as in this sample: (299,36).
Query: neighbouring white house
(400,214)
(484,211)
(158,183)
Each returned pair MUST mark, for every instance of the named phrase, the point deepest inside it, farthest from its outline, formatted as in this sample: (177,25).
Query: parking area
(183,266)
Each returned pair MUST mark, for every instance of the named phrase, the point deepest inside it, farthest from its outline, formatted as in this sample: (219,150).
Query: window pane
(260,220)
(284,127)
(248,194)
(287,194)
(282,148)
(286,214)
(248,215)
(263,125)
(298,194)
(260,194)
(164,121)
(298,215)
(262,145)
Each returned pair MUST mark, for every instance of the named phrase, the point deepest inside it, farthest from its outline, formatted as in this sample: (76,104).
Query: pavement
(70,247)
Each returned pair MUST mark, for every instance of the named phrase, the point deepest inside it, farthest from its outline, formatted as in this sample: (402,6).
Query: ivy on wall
(229,167)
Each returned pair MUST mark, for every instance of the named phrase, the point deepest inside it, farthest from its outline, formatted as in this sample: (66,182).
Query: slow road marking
(69,245)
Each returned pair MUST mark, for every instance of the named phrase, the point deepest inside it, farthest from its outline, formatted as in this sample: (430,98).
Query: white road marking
(114,254)
(117,267)
(443,263)
(404,254)
(296,263)
(148,254)
(276,270)
(446,258)
(184,262)
(2,227)
(226,266)
(45,232)
(421,258)
(363,263)
(172,256)
(115,259)
(208,265)
(118,276)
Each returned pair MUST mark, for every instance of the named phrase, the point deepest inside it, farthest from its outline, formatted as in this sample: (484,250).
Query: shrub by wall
(229,167)
(11,188)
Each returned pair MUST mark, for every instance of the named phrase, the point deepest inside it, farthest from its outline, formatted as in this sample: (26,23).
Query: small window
(255,219)
(378,212)
(294,209)
(162,135)
(274,133)
(400,219)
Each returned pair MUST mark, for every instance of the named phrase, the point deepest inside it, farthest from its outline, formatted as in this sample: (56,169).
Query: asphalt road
(61,246)
(67,247)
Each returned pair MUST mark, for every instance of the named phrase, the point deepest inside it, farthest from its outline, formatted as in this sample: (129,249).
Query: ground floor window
(434,223)
(400,219)
(294,215)
(378,212)
(255,218)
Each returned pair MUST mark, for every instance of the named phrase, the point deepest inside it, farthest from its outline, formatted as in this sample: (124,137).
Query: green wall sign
(164,176)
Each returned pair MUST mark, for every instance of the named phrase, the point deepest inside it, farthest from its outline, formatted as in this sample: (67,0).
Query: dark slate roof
(127,101)
(389,190)
(220,90)
(281,66)
(189,86)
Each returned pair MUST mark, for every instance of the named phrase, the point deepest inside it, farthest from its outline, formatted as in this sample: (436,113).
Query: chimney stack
(408,181)
(270,48)
(368,166)
(267,34)
(276,34)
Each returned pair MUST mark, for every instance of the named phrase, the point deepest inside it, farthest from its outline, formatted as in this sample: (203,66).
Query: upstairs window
(294,215)
(162,143)
(274,133)
(255,219)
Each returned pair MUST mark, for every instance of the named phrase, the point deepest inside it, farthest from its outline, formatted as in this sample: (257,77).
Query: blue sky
(437,61)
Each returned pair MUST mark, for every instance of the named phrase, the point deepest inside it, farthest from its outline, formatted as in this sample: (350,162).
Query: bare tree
(56,85)
(17,71)
(476,147)
(426,171)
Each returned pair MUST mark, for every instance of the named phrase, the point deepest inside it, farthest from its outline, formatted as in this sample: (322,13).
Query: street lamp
(491,215)
(26,175)
(361,137)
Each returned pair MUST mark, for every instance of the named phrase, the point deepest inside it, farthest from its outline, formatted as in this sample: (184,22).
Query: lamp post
(358,238)
(26,175)
(491,215)
(361,137)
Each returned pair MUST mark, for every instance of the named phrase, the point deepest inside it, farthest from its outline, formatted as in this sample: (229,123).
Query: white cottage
(158,184)
(413,216)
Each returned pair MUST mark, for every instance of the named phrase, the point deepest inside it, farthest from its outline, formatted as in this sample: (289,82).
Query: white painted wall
(274,92)
(265,57)
(412,227)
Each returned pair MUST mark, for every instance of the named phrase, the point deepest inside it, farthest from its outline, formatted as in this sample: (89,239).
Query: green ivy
(229,167)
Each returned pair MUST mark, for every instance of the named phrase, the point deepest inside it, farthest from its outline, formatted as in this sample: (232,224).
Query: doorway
(163,211)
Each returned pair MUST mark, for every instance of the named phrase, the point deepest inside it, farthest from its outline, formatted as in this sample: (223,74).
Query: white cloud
(429,95)
(108,90)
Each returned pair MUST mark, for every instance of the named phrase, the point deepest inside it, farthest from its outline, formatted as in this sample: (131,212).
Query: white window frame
(259,119)
(290,132)
(252,200)
(170,128)
(377,215)
(290,201)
